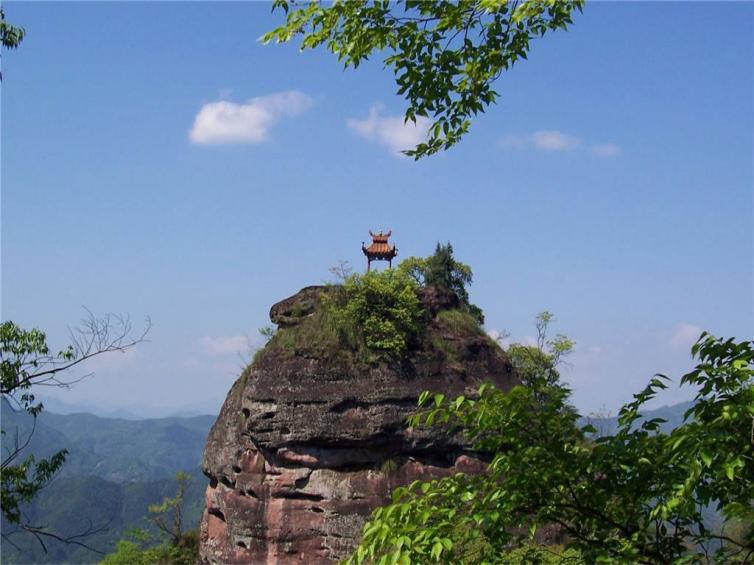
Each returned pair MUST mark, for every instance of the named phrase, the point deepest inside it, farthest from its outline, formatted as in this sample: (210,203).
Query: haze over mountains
(126,412)
(114,470)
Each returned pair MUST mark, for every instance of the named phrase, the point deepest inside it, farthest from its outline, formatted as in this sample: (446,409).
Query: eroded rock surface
(306,446)
(294,309)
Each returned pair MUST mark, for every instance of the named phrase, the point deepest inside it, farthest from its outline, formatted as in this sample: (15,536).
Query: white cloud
(545,140)
(606,149)
(552,140)
(685,335)
(390,131)
(225,345)
(229,122)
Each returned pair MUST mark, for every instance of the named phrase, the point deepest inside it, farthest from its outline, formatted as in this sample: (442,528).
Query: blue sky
(158,160)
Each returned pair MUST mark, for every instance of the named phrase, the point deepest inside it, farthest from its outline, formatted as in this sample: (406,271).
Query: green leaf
(730,471)
(706,457)
(437,548)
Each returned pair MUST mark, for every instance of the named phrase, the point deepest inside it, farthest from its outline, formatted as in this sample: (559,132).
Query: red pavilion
(380,249)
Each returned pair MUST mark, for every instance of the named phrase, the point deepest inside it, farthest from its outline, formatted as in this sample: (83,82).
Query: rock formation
(308,442)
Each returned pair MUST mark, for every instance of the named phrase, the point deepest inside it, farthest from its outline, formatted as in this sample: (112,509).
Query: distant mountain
(115,469)
(111,448)
(72,505)
(672,414)
(127,412)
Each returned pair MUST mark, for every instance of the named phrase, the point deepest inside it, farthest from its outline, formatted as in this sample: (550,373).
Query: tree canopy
(383,306)
(11,36)
(537,365)
(636,496)
(443,270)
(445,54)
(175,546)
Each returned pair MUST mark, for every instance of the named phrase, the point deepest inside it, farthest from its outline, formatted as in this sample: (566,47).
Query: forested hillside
(111,448)
(115,469)
(73,505)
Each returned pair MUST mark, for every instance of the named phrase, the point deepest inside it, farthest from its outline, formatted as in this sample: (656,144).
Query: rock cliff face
(307,444)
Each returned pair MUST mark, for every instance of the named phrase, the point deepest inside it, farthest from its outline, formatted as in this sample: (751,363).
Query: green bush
(442,270)
(368,317)
(174,546)
(379,309)
(133,552)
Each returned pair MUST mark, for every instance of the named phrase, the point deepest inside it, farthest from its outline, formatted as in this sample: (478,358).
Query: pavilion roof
(380,237)
(380,248)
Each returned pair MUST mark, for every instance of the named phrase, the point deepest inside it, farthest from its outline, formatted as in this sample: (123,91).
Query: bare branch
(16,447)
(40,533)
(341,271)
(93,338)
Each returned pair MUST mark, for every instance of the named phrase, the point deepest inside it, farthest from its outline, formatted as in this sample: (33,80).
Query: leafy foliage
(379,307)
(635,496)
(26,362)
(715,448)
(73,504)
(176,547)
(11,36)
(445,54)
(22,352)
(442,270)
(378,315)
(22,482)
(534,554)
(137,551)
(536,365)
(368,317)
(171,508)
